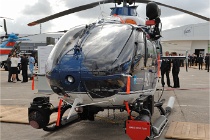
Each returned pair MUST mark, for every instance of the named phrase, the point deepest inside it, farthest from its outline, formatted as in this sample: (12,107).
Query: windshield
(104,44)
(65,44)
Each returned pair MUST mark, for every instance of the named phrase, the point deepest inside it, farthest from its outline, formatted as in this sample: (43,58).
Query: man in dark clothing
(9,66)
(24,67)
(165,69)
(193,60)
(189,61)
(207,59)
(175,71)
(182,61)
(200,62)
(18,72)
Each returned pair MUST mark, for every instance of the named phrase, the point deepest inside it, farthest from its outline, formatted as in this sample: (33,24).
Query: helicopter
(9,44)
(109,64)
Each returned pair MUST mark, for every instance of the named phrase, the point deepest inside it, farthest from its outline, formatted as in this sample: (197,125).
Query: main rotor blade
(69,11)
(178,9)
(5,27)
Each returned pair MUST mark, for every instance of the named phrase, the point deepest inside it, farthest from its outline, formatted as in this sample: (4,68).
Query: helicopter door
(150,71)
(138,66)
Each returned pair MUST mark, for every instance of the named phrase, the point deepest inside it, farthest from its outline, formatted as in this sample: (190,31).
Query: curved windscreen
(104,44)
(65,44)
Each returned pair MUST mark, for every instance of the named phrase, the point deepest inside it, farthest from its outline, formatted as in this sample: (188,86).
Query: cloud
(41,7)
(179,20)
(171,18)
(190,5)
(19,25)
(199,7)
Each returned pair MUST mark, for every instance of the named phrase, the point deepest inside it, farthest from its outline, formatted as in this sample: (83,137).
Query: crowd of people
(175,63)
(193,60)
(19,64)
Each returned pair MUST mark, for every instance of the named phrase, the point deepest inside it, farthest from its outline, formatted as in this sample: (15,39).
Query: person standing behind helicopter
(175,71)
(31,64)
(14,67)
(200,62)
(207,62)
(165,69)
(9,67)
(18,72)
(24,68)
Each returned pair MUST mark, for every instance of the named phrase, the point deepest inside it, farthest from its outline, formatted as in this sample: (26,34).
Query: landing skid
(40,111)
(64,122)
(137,127)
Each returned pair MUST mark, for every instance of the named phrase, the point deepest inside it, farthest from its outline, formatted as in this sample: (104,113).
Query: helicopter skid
(64,121)
(40,111)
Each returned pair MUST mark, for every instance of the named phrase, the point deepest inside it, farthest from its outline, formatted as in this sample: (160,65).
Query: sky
(25,11)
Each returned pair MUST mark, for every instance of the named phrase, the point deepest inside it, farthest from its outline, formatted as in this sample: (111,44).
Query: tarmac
(191,105)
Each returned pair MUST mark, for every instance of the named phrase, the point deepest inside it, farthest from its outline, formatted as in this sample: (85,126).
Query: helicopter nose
(65,76)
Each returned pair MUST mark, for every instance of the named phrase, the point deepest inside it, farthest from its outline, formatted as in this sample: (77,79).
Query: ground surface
(191,105)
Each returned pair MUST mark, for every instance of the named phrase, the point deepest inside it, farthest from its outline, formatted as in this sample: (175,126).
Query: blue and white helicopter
(9,44)
(109,64)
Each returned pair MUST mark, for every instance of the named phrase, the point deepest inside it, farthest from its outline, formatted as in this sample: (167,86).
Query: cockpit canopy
(102,45)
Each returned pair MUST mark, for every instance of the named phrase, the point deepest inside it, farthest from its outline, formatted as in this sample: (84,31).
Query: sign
(43,53)
(188,31)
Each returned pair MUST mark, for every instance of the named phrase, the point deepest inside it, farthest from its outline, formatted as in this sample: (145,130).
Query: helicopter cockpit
(93,51)
(96,44)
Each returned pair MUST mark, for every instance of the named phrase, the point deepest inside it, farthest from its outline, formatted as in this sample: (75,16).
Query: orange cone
(32,84)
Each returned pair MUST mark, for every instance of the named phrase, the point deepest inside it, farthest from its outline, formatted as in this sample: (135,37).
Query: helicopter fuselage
(103,62)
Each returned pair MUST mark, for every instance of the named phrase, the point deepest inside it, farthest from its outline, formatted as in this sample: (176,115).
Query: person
(206,59)
(200,62)
(175,71)
(182,61)
(193,59)
(165,69)
(207,62)
(36,62)
(189,60)
(14,69)
(9,68)
(31,64)
(18,72)
(24,68)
